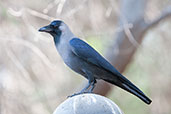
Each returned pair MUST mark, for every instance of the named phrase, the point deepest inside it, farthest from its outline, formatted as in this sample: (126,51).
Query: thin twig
(17,63)
(35,49)
(23,11)
(165,14)
(130,36)
(73,11)
(60,7)
(50,6)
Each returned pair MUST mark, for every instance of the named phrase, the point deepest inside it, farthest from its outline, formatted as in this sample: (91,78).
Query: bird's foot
(78,94)
(74,94)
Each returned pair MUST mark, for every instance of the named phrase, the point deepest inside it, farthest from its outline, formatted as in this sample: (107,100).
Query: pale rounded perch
(88,104)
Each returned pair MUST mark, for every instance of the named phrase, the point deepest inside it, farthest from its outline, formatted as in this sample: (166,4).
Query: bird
(86,61)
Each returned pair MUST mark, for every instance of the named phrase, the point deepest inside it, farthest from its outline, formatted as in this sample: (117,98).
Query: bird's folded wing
(87,53)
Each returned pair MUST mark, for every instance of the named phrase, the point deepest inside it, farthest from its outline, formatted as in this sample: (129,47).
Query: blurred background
(134,35)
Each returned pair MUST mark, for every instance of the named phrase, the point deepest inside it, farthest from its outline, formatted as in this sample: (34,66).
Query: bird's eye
(54,26)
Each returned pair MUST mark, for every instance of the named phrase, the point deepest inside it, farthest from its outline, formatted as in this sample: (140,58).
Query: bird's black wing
(87,53)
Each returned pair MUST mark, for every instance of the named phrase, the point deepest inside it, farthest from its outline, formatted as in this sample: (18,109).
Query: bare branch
(50,6)
(73,11)
(22,11)
(18,64)
(127,40)
(130,36)
(60,7)
(35,49)
(165,14)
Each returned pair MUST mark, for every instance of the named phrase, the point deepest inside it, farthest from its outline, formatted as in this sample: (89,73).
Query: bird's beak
(46,29)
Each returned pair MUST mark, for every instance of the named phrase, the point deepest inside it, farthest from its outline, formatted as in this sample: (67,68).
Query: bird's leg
(92,86)
(91,83)
(85,88)
(82,91)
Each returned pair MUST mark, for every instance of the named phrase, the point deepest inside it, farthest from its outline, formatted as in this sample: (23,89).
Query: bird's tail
(130,87)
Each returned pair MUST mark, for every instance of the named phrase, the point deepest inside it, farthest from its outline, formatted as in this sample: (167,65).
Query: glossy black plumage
(85,60)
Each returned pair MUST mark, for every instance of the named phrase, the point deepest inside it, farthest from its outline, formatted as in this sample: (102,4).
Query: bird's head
(55,28)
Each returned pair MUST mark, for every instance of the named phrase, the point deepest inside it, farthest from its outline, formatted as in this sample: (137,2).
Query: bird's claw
(78,94)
